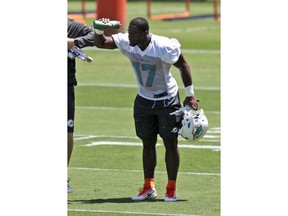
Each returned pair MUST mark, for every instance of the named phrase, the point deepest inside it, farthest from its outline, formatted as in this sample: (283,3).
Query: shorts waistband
(157,103)
(160,95)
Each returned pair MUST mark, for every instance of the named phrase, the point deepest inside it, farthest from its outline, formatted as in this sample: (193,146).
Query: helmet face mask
(194,125)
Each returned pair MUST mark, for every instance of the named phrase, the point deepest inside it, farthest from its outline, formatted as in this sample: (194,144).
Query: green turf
(104,177)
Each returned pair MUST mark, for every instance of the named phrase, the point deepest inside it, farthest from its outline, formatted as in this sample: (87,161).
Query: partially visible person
(152,57)
(78,35)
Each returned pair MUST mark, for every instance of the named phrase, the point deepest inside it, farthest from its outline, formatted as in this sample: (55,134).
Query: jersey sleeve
(83,35)
(121,40)
(87,39)
(171,51)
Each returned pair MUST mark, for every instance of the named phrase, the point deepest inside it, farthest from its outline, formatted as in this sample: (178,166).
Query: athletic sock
(171,184)
(149,182)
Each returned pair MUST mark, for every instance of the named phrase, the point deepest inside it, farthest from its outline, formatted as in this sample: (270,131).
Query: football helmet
(194,124)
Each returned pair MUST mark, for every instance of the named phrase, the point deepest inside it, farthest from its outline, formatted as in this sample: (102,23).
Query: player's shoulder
(121,40)
(163,42)
(121,36)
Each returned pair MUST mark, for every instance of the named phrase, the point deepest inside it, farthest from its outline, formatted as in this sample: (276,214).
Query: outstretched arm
(102,41)
(186,76)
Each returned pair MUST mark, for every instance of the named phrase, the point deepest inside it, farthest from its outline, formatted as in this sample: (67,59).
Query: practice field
(106,164)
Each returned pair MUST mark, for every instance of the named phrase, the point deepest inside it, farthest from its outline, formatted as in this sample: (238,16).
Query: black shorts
(71,108)
(153,117)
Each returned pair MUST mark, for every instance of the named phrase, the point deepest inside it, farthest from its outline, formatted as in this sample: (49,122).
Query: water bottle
(112,24)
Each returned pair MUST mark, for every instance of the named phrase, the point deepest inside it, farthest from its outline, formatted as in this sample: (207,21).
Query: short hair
(140,23)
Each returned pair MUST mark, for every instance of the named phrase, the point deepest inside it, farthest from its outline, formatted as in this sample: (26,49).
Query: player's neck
(143,45)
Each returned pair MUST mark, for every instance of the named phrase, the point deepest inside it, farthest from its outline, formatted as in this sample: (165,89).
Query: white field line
(98,143)
(124,108)
(126,212)
(137,143)
(92,136)
(140,171)
(196,29)
(213,135)
(135,86)
(192,51)
(88,136)
(169,10)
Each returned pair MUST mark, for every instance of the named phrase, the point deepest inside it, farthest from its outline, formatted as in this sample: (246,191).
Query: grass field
(106,165)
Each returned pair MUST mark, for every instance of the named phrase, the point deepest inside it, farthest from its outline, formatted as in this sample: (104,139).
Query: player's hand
(192,102)
(70,43)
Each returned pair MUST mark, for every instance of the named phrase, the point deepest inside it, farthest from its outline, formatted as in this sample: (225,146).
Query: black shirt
(83,36)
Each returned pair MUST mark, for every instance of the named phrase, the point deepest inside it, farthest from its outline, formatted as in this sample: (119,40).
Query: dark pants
(71,108)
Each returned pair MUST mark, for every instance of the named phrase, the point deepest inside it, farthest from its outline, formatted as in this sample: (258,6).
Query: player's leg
(149,156)
(70,143)
(70,127)
(168,130)
(149,163)
(172,160)
(70,120)
(146,130)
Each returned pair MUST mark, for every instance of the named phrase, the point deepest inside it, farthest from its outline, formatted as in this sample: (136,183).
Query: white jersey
(152,66)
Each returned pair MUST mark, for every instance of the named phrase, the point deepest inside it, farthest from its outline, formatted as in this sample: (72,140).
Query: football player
(151,58)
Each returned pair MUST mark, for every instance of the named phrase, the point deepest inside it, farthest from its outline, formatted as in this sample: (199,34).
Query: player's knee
(170,144)
(150,142)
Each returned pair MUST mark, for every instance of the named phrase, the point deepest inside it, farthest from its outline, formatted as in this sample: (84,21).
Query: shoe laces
(144,191)
(170,192)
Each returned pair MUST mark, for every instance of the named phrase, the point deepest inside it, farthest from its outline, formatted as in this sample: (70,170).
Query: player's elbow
(99,43)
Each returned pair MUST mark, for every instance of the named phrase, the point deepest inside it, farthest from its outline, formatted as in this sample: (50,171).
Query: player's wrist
(189,90)
(99,32)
